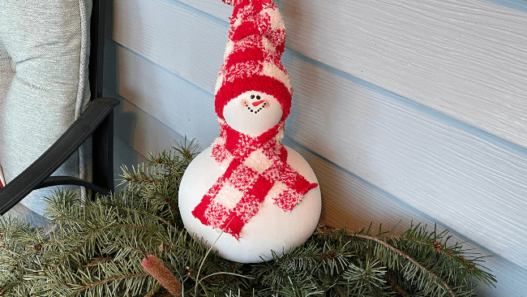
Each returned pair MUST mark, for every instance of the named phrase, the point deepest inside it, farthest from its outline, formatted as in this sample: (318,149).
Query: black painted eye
(258,97)
(252,96)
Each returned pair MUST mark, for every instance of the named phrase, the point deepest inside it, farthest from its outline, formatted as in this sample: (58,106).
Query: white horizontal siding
(411,154)
(181,106)
(183,42)
(464,58)
(349,201)
(379,157)
(514,4)
(454,176)
(363,203)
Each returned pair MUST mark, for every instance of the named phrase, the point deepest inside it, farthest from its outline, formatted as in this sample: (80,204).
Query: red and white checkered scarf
(256,167)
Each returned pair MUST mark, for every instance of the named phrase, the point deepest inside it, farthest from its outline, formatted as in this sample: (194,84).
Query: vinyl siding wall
(406,110)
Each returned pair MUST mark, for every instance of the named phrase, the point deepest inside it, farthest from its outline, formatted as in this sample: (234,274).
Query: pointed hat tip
(231,2)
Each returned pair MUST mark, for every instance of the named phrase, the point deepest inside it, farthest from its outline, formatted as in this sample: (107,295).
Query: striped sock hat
(252,60)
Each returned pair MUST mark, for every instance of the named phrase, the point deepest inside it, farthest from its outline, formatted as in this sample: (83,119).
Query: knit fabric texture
(253,55)
(256,167)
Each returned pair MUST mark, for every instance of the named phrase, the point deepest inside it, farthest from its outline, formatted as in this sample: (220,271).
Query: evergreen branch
(330,230)
(82,244)
(104,281)
(173,207)
(224,273)
(163,244)
(167,223)
(438,247)
(102,242)
(32,249)
(149,214)
(96,261)
(205,258)
(151,293)
(132,248)
(134,178)
(2,290)
(404,255)
(160,162)
(132,227)
(72,252)
(339,291)
(396,286)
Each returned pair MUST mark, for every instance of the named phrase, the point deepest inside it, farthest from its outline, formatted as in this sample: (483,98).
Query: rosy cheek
(244,102)
(267,104)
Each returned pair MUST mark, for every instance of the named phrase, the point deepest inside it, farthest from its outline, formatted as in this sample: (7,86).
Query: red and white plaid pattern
(253,55)
(257,167)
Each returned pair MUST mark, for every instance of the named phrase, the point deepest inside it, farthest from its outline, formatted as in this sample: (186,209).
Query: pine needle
(97,247)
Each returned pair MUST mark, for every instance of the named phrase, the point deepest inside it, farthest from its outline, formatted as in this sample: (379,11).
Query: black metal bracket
(68,180)
(96,120)
(96,113)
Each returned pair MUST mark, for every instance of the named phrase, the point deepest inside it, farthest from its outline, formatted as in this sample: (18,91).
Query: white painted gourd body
(271,228)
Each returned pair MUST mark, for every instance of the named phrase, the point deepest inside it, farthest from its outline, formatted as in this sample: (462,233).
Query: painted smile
(255,106)
(265,104)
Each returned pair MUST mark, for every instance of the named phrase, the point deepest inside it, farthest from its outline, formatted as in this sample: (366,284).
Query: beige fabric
(43,82)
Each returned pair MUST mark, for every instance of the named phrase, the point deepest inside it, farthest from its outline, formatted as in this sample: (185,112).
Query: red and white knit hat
(252,60)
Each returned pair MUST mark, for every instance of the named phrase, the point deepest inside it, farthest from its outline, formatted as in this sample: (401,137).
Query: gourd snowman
(248,195)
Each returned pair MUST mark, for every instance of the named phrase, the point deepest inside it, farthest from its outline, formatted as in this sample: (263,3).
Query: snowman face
(252,113)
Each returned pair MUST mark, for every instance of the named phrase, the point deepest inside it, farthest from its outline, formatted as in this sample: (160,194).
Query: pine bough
(97,247)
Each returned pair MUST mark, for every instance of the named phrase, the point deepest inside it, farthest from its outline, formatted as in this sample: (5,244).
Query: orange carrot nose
(258,102)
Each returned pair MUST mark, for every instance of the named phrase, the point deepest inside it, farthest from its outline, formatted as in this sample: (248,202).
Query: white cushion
(43,82)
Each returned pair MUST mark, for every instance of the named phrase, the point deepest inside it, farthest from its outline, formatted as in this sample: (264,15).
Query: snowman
(249,196)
